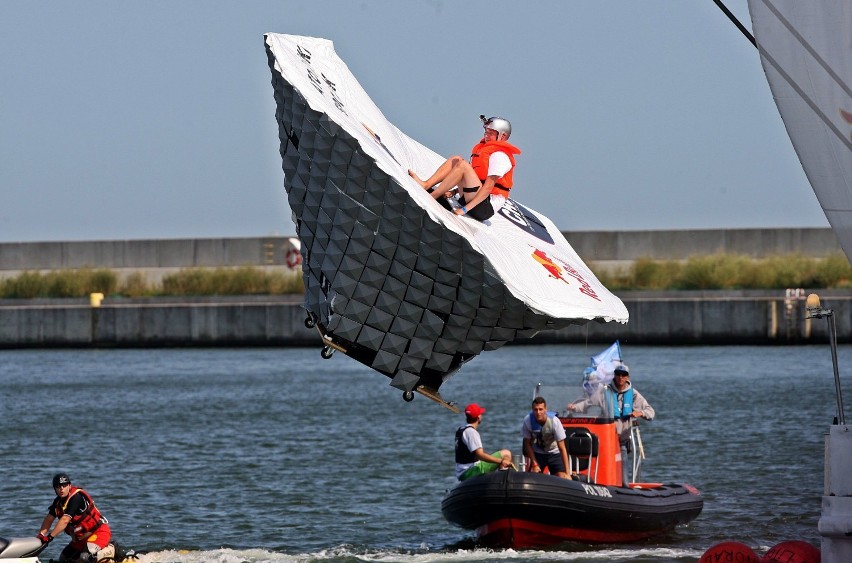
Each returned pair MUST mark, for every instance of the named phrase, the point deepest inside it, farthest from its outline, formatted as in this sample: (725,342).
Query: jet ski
(26,550)
(20,550)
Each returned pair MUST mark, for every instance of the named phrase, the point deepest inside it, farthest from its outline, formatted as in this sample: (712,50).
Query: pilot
(485,181)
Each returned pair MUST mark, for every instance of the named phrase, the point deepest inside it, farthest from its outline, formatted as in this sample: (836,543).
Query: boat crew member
(79,518)
(544,440)
(485,181)
(626,403)
(471,459)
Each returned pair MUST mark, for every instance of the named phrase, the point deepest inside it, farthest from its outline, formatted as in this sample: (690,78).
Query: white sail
(393,279)
(806,51)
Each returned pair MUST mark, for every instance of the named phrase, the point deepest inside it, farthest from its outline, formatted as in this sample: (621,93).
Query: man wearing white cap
(471,459)
(625,403)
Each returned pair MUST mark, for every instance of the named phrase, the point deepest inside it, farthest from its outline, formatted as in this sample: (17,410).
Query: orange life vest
(81,525)
(481,153)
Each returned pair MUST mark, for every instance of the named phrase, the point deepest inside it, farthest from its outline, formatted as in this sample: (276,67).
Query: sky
(156,119)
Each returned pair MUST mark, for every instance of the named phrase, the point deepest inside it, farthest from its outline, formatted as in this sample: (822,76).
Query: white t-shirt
(497,201)
(471,439)
(499,164)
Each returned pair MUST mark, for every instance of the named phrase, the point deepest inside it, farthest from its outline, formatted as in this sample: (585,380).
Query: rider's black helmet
(61,479)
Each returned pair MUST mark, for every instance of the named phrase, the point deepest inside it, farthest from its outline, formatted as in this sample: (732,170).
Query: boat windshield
(588,401)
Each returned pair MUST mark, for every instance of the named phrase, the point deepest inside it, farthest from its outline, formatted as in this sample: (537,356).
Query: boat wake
(347,554)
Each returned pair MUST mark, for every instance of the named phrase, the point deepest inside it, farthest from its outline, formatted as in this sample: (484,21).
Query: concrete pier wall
(716,317)
(264,321)
(141,254)
(755,317)
(154,259)
(678,245)
(681,318)
(271,251)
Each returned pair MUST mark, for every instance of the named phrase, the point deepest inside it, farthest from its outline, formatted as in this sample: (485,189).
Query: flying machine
(392,279)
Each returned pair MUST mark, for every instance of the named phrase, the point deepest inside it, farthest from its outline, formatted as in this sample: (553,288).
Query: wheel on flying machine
(327,351)
(408,396)
(309,322)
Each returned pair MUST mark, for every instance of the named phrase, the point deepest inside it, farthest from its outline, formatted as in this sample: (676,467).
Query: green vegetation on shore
(717,271)
(187,282)
(731,271)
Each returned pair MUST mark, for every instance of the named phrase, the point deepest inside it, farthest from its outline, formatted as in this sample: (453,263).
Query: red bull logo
(561,270)
(548,264)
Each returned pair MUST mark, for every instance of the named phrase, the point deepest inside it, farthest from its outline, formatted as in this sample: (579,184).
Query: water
(275,455)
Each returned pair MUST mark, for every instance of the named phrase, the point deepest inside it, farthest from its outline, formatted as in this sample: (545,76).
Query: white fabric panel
(806,52)
(548,276)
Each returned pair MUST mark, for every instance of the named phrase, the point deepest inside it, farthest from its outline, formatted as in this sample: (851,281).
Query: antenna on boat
(815,311)
(836,519)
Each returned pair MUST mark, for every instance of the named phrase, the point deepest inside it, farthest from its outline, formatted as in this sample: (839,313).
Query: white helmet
(497,124)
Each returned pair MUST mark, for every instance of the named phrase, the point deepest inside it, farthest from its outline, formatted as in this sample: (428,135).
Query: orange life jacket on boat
(82,525)
(481,153)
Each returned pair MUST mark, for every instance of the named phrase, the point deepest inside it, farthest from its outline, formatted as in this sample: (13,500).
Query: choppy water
(268,455)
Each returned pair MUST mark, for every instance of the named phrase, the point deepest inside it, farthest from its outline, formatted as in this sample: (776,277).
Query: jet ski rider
(485,180)
(79,518)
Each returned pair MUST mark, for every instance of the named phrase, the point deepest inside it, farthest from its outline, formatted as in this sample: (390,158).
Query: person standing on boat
(485,181)
(79,518)
(626,404)
(471,459)
(544,440)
